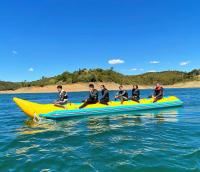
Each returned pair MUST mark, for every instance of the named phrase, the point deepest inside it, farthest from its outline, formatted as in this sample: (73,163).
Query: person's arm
(123,93)
(62,96)
(94,94)
(137,93)
(104,94)
(160,93)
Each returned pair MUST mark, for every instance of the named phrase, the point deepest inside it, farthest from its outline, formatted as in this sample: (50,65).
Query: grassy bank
(78,80)
(84,87)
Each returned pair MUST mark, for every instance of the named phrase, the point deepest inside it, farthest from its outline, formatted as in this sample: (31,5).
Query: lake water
(163,140)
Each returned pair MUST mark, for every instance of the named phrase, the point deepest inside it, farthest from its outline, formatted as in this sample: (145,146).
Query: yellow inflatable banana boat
(33,109)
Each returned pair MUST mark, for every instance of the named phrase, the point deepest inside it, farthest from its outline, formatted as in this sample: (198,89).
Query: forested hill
(109,75)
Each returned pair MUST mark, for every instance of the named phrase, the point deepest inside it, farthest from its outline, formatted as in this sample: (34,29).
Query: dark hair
(136,86)
(121,86)
(59,86)
(91,85)
(103,86)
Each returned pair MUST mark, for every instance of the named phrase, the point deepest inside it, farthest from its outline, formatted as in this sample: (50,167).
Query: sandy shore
(84,87)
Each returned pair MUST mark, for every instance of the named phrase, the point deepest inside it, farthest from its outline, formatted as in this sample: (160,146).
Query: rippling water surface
(160,140)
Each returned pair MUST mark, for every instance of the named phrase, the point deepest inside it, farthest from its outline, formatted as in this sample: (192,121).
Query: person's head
(91,87)
(157,85)
(121,87)
(59,88)
(103,87)
(135,86)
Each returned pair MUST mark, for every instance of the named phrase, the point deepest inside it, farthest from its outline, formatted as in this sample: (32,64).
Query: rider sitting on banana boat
(158,93)
(63,97)
(135,94)
(104,95)
(93,96)
(122,94)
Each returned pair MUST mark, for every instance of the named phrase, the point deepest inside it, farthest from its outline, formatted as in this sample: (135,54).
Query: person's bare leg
(85,103)
(156,99)
(135,100)
(62,106)
(103,102)
(122,100)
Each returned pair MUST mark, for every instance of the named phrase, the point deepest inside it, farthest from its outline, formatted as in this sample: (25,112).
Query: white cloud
(154,62)
(31,69)
(136,69)
(14,52)
(151,71)
(115,61)
(133,69)
(184,63)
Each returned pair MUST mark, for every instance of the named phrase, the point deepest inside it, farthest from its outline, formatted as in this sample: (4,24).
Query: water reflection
(24,150)
(100,123)
(32,127)
(112,121)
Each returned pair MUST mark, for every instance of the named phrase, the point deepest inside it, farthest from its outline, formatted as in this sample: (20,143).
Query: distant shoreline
(76,87)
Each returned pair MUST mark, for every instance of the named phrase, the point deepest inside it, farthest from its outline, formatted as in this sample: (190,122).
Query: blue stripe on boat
(113,109)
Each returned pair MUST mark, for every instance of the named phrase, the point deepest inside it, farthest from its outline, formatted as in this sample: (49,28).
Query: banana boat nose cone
(15,99)
(25,106)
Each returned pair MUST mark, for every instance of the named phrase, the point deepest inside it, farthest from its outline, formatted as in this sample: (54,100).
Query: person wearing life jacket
(122,94)
(135,94)
(158,93)
(105,95)
(93,97)
(63,97)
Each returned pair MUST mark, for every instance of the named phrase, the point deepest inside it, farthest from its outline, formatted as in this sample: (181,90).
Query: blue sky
(46,37)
